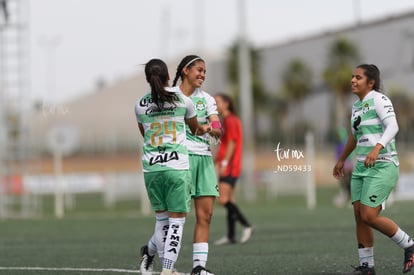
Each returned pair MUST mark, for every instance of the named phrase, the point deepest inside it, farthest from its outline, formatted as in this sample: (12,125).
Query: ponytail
(156,73)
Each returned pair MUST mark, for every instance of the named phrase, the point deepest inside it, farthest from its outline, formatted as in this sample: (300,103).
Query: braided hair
(186,62)
(156,73)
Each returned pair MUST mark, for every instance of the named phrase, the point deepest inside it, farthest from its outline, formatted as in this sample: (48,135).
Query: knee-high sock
(231,221)
(173,242)
(152,247)
(237,213)
(366,256)
(200,254)
(160,233)
(402,239)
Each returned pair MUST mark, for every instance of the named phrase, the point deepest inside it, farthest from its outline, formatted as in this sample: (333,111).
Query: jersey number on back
(162,129)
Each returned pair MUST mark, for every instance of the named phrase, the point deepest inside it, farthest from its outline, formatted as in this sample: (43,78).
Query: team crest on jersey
(200,106)
(365,108)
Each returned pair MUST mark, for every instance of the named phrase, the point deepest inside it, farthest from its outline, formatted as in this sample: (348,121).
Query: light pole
(246,107)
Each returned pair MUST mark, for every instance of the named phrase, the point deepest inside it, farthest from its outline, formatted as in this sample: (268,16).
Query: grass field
(289,239)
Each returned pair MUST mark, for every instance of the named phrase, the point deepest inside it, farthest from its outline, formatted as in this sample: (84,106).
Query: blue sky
(80,41)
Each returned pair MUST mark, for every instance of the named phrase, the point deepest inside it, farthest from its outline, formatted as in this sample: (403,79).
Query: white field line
(75,269)
(31,268)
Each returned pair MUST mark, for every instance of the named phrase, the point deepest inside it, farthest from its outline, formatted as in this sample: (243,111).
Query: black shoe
(147,261)
(362,270)
(199,270)
(408,259)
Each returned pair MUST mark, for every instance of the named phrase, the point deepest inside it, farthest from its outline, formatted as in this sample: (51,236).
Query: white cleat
(224,240)
(147,262)
(247,233)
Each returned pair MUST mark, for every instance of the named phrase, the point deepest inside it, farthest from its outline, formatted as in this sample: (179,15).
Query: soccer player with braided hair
(191,71)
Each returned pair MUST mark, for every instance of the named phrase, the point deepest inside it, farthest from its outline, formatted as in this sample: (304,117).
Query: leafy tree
(296,85)
(259,96)
(343,56)
(297,80)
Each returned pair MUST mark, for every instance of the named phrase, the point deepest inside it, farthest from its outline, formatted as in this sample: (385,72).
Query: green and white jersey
(367,126)
(164,133)
(205,106)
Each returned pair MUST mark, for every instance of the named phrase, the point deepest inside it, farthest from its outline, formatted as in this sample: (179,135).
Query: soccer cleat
(147,261)
(247,233)
(364,269)
(408,259)
(199,270)
(224,240)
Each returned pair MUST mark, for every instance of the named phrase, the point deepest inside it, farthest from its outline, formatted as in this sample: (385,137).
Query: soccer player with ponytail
(374,127)
(228,161)
(163,116)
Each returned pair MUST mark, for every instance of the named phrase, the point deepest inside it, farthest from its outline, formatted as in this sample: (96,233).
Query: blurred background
(71,71)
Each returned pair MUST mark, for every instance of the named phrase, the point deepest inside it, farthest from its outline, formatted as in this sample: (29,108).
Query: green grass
(289,239)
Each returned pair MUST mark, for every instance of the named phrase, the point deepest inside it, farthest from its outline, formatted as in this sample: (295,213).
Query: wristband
(224,163)
(215,124)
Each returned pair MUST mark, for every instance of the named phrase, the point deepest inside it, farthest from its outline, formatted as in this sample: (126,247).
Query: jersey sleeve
(211,105)
(136,109)
(383,107)
(385,112)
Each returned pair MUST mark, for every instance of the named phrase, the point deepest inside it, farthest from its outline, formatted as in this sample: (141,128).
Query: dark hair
(187,61)
(229,101)
(372,72)
(156,73)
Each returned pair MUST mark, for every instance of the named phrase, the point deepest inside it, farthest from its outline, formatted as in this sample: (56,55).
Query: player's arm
(386,113)
(141,129)
(215,126)
(231,147)
(196,128)
(349,147)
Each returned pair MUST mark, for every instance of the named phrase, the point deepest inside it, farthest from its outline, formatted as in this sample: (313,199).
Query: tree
(296,85)
(259,95)
(343,56)
(297,80)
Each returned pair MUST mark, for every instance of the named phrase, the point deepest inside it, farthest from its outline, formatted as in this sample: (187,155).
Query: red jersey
(232,131)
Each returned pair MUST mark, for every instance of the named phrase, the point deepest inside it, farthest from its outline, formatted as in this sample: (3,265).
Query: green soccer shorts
(372,186)
(169,190)
(204,178)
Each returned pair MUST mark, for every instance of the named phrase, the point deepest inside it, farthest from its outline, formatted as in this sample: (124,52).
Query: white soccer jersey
(205,106)
(367,126)
(164,133)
